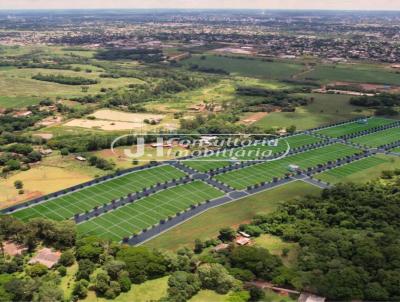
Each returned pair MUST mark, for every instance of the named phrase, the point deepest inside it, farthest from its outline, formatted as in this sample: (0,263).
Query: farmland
(354,73)
(243,66)
(242,178)
(148,211)
(86,199)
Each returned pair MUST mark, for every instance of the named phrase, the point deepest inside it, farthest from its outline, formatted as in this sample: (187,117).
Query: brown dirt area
(251,119)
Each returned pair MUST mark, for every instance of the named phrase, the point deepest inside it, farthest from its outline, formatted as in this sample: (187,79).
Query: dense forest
(65,80)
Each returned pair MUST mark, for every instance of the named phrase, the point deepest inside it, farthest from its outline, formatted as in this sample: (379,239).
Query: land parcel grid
(67,206)
(380,138)
(338,174)
(148,211)
(207,163)
(240,179)
(354,127)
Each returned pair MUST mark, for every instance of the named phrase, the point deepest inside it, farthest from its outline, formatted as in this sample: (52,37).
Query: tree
(256,294)
(64,151)
(124,281)
(36,270)
(18,184)
(215,277)
(198,246)
(50,292)
(62,271)
(80,289)
(183,286)
(227,234)
(86,267)
(113,268)
(102,282)
(67,258)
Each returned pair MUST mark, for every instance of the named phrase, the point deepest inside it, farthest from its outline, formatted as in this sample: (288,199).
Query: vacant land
(362,170)
(325,109)
(265,172)
(370,74)
(148,211)
(86,199)
(208,224)
(253,152)
(247,67)
(378,139)
(354,127)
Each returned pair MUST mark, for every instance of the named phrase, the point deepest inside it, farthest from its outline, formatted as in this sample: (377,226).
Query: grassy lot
(379,138)
(67,281)
(148,211)
(242,178)
(253,152)
(17,83)
(246,67)
(208,224)
(324,110)
(18,101)
(362,170)
(396,150)
(52,174)
(275,245)
(206,295)
(359,73)
(354,127)
(87,198)
(151,290)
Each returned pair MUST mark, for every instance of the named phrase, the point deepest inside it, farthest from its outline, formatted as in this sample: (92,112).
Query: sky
(257,4)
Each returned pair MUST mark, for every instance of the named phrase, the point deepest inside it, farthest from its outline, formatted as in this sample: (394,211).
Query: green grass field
(148,211)
(379,138)
(396,150)
(324,110)
(362,170)
(207,225)
(245,67)
(354,127)
(86,199)
(253,152)
(371,74)
(242,178)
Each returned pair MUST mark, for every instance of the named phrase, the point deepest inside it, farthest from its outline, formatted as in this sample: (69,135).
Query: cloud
(263,4)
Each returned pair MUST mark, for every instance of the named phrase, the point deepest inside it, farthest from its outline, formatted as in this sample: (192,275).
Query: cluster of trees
(10,123)
(101,163)
(65,80)
(385,103)
(18,156)
(348,238)
(147,55)
(280,98)
(195,67)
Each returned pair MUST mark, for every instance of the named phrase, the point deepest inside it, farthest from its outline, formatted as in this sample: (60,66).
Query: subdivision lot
(354,127)
(361,170)
(242,178)
(253,152)
(68,205)
(208,224)
(133,218)
(379,138)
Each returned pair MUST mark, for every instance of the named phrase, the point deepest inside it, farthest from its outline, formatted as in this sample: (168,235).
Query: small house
(293,168)
(46,151)
(221,247)
(80,158)
(306,297)
(46,257)
(240,240)
(244,234)
(362,121)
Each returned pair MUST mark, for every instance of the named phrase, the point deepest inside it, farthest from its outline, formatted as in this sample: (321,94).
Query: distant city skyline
(203,4)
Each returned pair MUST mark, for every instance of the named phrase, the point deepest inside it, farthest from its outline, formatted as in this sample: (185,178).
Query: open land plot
(247,67)
(354,127)
(253,152)
(379,138)
(360,171)
(397,150)
(112,120)
(142,214)
(252,175)
(324,110)
(207,225)
(371,74)
(77,202)
(18,101)
(16,82)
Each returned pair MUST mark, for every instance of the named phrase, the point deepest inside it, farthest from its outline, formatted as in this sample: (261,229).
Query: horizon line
(206,8)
